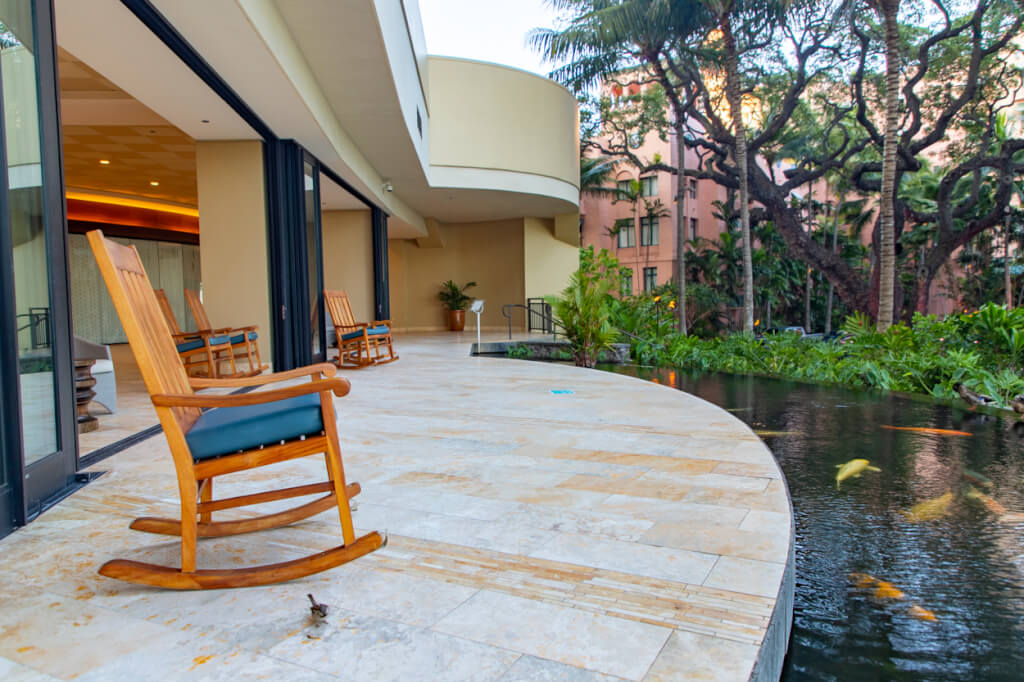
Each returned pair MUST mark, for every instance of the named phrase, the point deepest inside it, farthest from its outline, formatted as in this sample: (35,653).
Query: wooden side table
(84,381)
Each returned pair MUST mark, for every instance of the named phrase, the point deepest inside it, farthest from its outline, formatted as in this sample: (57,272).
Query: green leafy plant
(518,351)
(583,311)
(453,296)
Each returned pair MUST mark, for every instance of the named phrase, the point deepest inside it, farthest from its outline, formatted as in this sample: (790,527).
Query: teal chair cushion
(241,338)
(230,429)
(198,343)
(372,331)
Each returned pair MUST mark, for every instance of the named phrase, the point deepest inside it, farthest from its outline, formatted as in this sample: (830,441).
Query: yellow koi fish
(921,613)
(921,429)
(854,468)
(929,510)
(990,504)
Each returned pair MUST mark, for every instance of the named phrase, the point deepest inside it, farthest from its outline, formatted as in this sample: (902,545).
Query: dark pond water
(959,558)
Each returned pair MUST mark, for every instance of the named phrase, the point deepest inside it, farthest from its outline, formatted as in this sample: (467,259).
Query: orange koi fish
(990,504)
(921,614)
(921,429)
(880,589)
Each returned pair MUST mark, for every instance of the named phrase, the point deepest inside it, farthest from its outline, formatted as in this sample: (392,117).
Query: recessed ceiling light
(104,162)
(154,183)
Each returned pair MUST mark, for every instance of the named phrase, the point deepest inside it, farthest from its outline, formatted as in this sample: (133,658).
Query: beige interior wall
(348,258)
(491,254)
(233,236)
(548,260)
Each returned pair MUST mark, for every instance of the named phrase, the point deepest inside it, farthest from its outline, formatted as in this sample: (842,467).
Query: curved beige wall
(499,121)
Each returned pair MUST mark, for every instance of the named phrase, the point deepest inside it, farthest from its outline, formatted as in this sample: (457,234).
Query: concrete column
(233,236)
(548,259)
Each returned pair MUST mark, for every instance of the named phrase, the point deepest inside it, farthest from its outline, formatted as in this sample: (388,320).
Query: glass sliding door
(32,217)
(314,260)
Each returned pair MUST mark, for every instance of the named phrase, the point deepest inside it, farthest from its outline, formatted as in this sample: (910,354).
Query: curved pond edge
(774,646)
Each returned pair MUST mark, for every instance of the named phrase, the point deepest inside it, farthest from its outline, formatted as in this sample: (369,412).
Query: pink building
(648,245)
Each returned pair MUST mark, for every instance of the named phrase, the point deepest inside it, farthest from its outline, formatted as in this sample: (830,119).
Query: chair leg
(188,526)
(337,470)
(211,362)
(206,495)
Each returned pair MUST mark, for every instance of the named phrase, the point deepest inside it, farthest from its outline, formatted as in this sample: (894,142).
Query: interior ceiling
(102,122)
(142,148)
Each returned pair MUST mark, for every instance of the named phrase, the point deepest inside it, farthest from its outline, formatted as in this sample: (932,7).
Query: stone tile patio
(620,531)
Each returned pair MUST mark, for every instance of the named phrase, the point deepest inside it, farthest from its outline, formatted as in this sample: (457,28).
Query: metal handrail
(505,312)
(547,318)
(38,326)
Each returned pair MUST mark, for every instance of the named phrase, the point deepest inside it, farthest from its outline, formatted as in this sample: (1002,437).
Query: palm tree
(595,172)
(729,15)
(889,11)
(603,36)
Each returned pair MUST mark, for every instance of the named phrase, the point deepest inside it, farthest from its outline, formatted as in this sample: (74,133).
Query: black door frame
(318,354)
(48,478)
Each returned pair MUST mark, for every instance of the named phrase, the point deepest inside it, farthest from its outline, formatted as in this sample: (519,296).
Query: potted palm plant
(455,300)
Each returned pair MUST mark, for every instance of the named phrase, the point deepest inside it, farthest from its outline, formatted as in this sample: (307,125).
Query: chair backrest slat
(144,322)
(340,310)
(198,311)
(165,306)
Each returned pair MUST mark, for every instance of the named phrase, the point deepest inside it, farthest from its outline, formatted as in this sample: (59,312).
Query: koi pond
(911,572)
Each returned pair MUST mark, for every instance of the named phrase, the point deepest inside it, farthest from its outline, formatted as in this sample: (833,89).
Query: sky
(487,30)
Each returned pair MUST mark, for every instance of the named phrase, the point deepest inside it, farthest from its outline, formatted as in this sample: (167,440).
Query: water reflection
(26,218)
(939,528)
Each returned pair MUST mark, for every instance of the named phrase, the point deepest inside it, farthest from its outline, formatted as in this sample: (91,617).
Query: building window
(649,231)
(649,186)
(627,283)
(650,279)
(693,228)
(691,188)
(627,235)
(625,188)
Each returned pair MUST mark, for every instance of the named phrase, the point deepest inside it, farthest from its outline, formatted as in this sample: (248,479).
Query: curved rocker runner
(248,430)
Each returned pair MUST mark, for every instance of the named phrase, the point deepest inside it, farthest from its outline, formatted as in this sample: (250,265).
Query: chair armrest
(386,323)
(185,336)
(232,330)
(323,369)
(337,385)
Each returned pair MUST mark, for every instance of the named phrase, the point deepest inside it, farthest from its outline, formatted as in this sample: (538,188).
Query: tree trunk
(732,89)
(887,259)
(1006,263)
(922,294)
(681,223)
(835,245)
(807,283)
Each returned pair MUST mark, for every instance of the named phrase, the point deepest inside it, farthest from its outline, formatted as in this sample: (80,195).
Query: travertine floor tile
(365,648)
(700,658)
(534,536)
(585,640)
(658,562)
(745,575)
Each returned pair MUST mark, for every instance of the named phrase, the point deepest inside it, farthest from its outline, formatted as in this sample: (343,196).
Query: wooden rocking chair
(243,339)
(359,344)
(249,430)
(198,351)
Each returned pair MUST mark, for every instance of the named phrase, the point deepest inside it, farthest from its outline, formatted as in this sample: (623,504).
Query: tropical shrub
(983,350)
(583,312)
